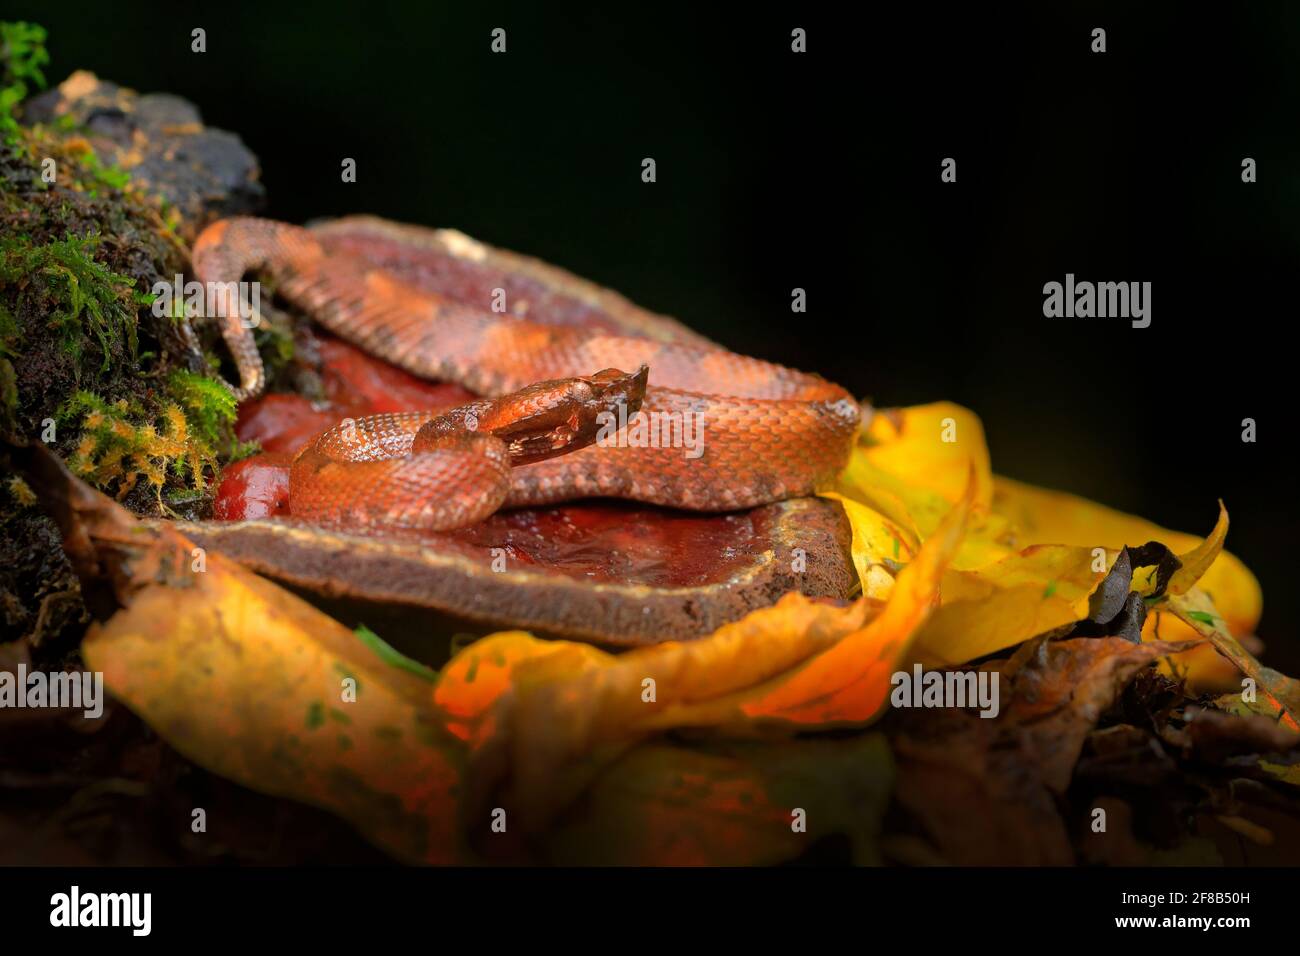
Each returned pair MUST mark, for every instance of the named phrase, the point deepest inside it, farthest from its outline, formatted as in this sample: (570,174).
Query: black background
(821,171)
(530,907)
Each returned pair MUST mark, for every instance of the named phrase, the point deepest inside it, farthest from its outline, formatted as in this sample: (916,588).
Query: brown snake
(765,432)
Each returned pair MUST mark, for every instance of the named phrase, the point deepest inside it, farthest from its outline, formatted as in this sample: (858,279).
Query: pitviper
(768,432)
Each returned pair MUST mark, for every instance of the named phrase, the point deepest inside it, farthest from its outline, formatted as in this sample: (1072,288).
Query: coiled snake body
(768,432)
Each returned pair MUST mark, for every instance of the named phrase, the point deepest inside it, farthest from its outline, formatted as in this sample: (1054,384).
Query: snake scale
(766,432)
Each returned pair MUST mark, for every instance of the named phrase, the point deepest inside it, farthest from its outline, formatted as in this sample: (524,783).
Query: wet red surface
(354,380)
(284,423)
(602,541)
(256,487)
(619,542)
(355,384)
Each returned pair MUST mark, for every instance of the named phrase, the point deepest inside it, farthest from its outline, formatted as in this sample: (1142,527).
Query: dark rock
(161,141)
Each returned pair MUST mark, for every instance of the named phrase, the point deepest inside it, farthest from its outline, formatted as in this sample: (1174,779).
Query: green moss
(98,176)
(123,444)
(22,54)
(173,421)
(77,346)
(9,332)
(83,301)
(117,448)
(208,405)
(275,343)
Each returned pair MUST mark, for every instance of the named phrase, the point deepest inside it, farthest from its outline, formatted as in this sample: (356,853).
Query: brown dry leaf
(1259,727)
(955,767)
(1195,609)
(1215,735)
(977,805)
(1060,689)
(1118,846)
(1252,831)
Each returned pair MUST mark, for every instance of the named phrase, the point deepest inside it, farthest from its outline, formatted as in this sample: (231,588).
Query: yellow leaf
(1007,602)
(248,681)
(568,709)
(879,546)
(931,448)
(1052,517)
(849,682)
(482,673)
(1199,560)
(1287,773)
(912,466)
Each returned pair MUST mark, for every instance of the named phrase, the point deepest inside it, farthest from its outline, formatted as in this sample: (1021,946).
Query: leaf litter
(772,737)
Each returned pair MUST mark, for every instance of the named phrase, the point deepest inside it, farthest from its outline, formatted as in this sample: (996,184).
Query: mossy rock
(159,140)
(94,211)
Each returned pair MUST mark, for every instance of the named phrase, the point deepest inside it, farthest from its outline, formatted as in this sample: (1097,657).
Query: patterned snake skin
(766,432)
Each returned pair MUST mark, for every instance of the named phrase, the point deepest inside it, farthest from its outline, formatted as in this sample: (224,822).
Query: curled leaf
(258,686)
(1052,517)
(570,711)
(1195,563)
(849,682)
(1195,609)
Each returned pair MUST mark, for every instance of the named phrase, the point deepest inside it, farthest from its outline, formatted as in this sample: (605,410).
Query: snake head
(554,418)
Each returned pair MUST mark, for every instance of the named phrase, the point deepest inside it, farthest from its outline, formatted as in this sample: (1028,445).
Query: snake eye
(556,417)
(582,391)
(620,386)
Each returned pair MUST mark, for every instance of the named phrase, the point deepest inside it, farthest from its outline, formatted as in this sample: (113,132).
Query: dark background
(821,170)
